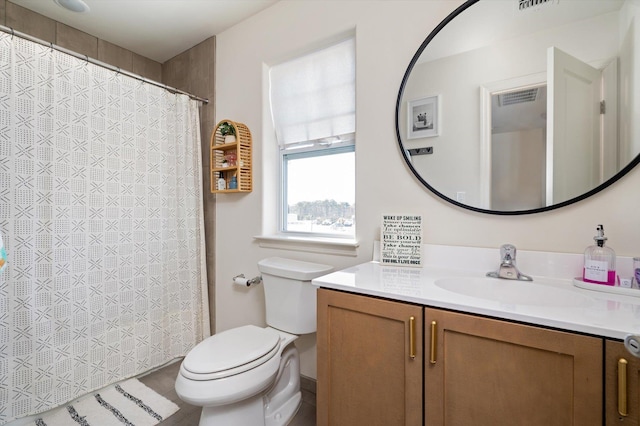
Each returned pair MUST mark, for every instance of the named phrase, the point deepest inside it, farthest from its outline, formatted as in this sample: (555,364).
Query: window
(313,109)
(319,191)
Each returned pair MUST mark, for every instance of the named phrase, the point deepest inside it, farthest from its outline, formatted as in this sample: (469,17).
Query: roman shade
(313,97)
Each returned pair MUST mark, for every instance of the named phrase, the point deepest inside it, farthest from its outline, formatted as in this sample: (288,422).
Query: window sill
(324,245)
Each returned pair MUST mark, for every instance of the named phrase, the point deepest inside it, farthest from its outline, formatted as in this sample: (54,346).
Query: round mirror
(521,106)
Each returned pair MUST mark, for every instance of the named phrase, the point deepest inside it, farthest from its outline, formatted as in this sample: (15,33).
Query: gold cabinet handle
(434,342)
(622,387)
(412,337)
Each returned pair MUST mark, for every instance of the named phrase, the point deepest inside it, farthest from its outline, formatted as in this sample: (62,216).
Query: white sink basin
(512,291)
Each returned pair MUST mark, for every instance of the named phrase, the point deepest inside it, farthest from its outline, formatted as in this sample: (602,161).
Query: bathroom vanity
(442,345)
(406,346)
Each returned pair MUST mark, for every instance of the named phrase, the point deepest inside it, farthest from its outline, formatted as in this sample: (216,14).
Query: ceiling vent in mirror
(533,4)
(518,97)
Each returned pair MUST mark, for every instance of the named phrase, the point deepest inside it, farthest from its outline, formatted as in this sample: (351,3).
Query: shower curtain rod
(99,63)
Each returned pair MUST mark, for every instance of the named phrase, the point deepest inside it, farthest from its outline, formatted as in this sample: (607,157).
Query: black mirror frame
(407,158)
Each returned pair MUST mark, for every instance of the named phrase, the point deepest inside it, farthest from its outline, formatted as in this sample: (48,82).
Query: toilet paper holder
(246,282)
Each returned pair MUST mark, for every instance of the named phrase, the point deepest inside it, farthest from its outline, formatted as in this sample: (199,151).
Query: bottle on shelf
(233,183)
(221,184)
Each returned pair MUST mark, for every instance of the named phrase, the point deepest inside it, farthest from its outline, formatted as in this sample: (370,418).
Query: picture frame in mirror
(423,117)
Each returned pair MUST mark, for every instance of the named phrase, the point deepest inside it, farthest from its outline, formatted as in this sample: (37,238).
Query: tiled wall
(194,72)
(191,71)
(34,24)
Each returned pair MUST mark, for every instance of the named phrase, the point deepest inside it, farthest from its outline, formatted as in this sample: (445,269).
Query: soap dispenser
(599,261)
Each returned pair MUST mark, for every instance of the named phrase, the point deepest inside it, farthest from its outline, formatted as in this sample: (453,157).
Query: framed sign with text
(401,240)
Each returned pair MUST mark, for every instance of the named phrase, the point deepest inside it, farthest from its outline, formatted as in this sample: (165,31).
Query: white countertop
(553,302)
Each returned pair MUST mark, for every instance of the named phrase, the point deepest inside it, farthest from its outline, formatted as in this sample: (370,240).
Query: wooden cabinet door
(622,387)
(486,372)
(367,374)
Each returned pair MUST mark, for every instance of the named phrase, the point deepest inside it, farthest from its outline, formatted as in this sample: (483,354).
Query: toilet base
(286,412)
(250,413)
(274,407)
(282,401)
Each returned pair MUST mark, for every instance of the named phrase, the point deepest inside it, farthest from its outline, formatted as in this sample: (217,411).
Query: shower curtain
(102,220)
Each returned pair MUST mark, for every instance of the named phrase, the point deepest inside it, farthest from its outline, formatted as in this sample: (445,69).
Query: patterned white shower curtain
(101,215)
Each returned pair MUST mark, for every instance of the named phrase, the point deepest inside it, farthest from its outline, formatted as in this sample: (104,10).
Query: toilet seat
(206,391)
(231,352)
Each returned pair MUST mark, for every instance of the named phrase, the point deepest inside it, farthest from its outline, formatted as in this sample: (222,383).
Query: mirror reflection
(511,109)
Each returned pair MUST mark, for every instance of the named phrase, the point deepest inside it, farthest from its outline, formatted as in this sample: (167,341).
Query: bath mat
(128,403)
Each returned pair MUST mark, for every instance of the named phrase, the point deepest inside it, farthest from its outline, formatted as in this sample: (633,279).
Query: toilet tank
(289,296)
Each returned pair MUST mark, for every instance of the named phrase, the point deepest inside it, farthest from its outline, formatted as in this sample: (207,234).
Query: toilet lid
(228,350)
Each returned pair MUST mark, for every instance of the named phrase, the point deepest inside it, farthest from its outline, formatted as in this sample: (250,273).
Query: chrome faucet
(508,269)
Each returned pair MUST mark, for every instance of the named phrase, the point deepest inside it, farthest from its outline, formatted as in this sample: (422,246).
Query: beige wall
(388,34)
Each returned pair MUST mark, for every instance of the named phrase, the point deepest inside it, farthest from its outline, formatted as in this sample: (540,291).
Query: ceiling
(156,29)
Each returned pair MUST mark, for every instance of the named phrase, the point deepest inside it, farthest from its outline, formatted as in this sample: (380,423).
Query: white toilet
(250,376)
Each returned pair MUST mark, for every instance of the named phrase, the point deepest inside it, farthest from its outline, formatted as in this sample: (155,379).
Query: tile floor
(162,381)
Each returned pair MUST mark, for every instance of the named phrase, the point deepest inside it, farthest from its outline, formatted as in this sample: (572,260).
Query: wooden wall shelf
(238,158)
